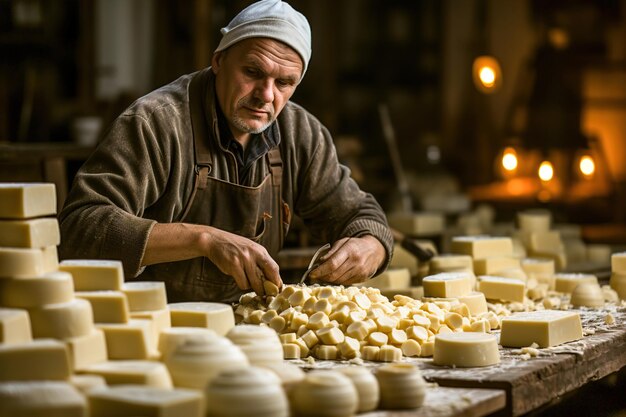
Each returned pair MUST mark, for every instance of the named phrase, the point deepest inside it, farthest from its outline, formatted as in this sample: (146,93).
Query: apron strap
(202,153)
(276,169)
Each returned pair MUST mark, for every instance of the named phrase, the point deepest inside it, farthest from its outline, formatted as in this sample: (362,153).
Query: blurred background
(441,106)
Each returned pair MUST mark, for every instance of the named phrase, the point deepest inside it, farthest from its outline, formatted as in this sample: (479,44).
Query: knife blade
(314,264)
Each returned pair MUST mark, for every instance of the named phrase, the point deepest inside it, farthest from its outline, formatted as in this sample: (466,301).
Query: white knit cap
(270,19)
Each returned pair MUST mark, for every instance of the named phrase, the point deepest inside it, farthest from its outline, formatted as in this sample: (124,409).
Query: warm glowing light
(587,166)
(509,159)
(546,172)
(487,76)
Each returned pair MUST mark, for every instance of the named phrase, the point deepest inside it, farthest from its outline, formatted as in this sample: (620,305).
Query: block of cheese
(108,306)
(24,200)
(14,326)
(548,241)
(557,255)
(85,383)
(475,301)
(136,372)
(534,220)
(505,289)
(566,282)
(87,350)
(161,320)
(597,252)
(127,400)
(491,266)
(618,262)
(41,398)
(545,327)
(145,295)
(450,262)
(516,273)
(52,288)
(61,321)
(132,340)
(170,339)
(466,349)
(94,275)
(404,259)
(535,266)
(479,247)
(32,233)
(395,278)
(41,359)
(27,262)
(215,316)
(418,224)
(618,284)
(447,284)
(575,250)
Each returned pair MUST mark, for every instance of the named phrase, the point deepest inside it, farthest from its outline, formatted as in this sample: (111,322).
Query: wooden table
(529,383)
(451,402)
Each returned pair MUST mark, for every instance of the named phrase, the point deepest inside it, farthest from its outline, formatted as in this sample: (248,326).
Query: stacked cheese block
(618,274)
(60,324)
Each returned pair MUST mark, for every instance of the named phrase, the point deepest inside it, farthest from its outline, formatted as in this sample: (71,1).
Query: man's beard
(241,123)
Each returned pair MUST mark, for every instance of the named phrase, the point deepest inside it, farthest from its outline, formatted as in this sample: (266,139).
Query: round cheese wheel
(466,349)
(52,288)
(324,393)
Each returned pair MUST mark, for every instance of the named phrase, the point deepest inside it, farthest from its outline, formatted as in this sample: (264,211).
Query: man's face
(254,80)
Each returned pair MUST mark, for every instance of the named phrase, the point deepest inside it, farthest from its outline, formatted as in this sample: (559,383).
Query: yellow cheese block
(27,262)
(136,372)
(215,316)
(598,253)
(132,340)
(566,282)
(14,326)
(24,200)
(33,233)
(87,350)
(145,295)
(41,359)
(534,266)
(145,401)
(505,289)
(479,247)
(447,284)
(418,224)
(108,306)
(94,275)
(515,273)
(534,220)
(475,301)
(558,255)
(170,339)
(545,327)
(549,241)
(618,283)
(41,398)
(52,288)
(404,259)
(395,278)
(618,262)
(450,262)
(62,321)
(466,349)
(491,266)
(85,383)
(161,320)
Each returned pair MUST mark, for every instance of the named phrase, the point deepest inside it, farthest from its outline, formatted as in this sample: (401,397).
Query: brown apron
(257,213)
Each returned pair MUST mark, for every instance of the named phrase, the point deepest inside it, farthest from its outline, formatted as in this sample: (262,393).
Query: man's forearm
(170,242)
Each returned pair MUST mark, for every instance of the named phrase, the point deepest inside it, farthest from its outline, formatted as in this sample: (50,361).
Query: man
(194,183)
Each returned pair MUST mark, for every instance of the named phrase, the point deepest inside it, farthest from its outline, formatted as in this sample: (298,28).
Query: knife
(314,264)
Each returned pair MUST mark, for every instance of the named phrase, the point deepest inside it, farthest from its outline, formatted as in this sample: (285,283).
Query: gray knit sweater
(142,172)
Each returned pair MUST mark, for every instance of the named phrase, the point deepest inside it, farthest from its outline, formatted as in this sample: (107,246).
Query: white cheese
(466,349)
(215,316)
(32,233)
(24,200)
(546,328)
(51,288)
(94,274)
(14,326)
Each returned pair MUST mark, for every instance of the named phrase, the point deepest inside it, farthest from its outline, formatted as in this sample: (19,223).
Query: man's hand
(246,261)
(350,260)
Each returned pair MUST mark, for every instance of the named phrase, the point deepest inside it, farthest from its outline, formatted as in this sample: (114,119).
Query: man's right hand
(246,261)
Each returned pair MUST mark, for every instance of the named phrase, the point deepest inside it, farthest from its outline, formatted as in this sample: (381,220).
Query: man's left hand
(350,260)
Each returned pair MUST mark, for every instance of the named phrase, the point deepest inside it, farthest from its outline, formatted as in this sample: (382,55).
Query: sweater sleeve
(104,214)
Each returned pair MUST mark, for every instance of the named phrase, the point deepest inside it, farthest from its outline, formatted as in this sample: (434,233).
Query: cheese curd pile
(336,322)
